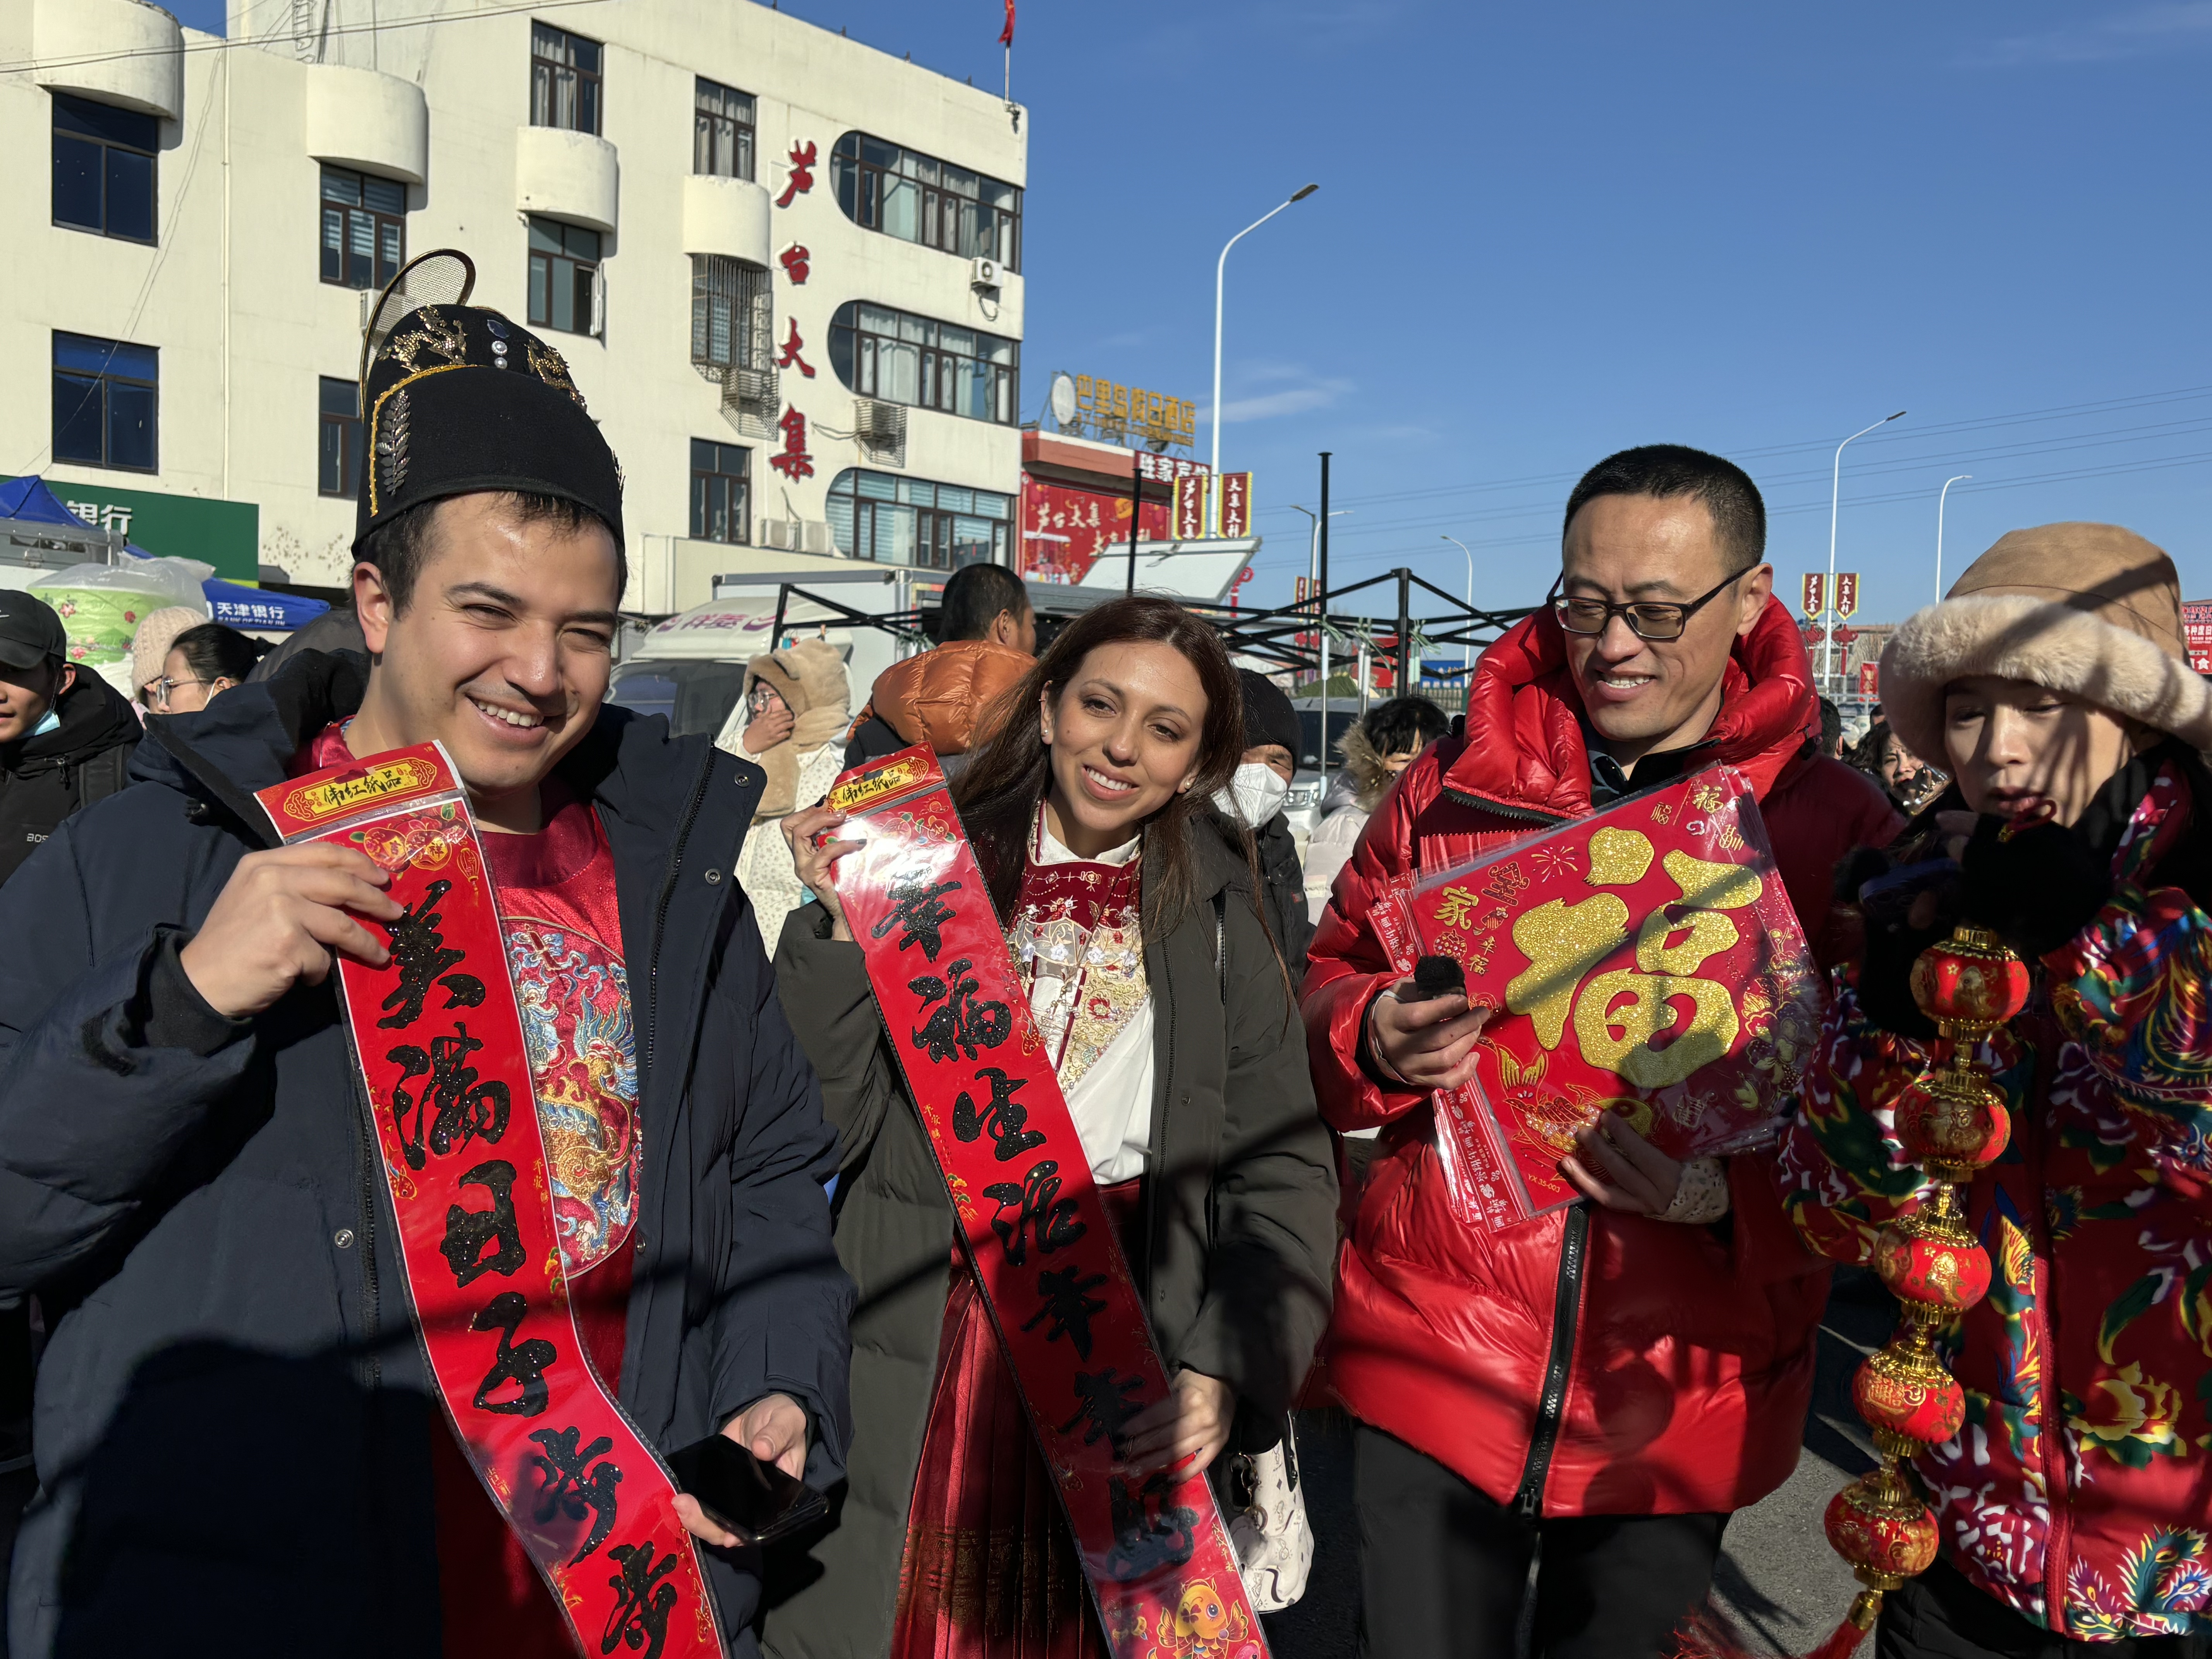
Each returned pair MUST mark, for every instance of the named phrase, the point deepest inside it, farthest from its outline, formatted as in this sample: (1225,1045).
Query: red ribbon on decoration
(437,1040)
(1067,1314)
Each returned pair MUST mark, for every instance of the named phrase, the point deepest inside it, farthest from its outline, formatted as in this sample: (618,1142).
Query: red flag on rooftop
(1006,35)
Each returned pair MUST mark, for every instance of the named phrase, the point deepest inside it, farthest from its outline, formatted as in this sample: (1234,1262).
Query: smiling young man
(1617,1376)
(239,1438)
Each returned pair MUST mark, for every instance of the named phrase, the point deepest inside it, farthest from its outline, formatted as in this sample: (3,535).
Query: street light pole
(1466,651)
(1947,482)
(1828,607)
(1220,269)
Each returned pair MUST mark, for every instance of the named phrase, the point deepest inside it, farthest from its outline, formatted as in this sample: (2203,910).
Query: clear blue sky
(1547,231)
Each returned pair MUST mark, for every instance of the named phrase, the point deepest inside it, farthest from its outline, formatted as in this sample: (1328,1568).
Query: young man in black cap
(242,1446)
(66,736)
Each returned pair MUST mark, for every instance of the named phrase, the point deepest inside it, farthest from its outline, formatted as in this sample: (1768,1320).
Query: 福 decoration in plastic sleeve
(1644,961)
(437,1039)
(1037,1237)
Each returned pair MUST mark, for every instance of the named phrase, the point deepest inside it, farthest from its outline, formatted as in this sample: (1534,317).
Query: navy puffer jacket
(232,1423)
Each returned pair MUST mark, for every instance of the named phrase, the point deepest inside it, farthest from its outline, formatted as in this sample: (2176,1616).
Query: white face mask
(1256,795)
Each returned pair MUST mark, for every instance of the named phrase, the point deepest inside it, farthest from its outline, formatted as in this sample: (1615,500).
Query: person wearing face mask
(66,736)
(1170,1020)
(1255,799)
(2054,685)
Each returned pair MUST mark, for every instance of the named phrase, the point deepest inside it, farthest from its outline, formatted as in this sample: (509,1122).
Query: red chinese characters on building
(1065,528)
(802,172)
(793,259)
(793,345)
(793,461)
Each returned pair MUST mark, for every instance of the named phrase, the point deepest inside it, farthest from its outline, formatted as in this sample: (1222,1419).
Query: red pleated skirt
(990,1569)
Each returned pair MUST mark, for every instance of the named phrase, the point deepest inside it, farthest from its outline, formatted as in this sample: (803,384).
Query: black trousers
(1940,1616)
(1444,1569)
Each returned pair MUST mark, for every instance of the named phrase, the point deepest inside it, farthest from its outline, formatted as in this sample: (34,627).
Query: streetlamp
(1947,482)
(1836,488)
(1466,651)
(1220,267)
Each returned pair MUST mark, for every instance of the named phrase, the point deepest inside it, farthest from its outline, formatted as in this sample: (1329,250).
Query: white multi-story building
(784,267)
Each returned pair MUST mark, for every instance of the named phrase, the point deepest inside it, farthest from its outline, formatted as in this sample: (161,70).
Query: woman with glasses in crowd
(201,662)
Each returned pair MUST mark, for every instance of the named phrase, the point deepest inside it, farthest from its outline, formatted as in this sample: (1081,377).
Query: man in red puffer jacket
(1617,1376)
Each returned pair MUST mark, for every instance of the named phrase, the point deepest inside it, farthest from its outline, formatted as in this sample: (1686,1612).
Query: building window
(564,80)
(722,130)
(340,418)
(718,472)
(905,359)
(919,198)
(564,278)
(731,310)
(104,168)
(895,520)
(106,395)
(364,228)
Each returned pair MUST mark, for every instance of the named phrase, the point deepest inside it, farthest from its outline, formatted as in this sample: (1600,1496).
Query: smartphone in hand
(739,1493)
(1437,976)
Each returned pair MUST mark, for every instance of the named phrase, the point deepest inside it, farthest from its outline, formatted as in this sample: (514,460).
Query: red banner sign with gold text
(1067,1314)
(439,1042)
(1645,961)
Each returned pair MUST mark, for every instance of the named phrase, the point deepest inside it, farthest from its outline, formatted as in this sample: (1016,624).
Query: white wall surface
(232,294)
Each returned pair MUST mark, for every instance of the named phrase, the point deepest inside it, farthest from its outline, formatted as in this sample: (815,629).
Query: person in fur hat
(795,706)
(2053,685)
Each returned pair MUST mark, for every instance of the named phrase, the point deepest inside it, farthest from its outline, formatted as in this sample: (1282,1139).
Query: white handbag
(1267,1523)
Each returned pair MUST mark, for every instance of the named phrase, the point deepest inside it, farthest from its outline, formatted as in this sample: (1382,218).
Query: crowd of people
(225,1396)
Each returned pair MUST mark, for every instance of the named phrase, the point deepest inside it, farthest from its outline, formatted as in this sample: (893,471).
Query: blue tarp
(28,499)
(259,607)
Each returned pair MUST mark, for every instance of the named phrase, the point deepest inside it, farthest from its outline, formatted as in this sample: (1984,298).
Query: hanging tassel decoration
(1951,1121)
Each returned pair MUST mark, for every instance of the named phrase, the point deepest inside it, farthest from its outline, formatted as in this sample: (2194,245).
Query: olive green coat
(1243,1228)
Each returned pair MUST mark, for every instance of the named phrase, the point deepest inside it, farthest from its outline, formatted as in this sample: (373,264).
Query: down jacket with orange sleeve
(1584,1363)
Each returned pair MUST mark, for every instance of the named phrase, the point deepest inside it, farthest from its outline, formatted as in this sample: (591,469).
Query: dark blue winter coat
(232,1411)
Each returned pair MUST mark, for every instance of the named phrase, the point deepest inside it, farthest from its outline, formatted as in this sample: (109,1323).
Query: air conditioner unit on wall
(795,535)
(880,429)
(983,278)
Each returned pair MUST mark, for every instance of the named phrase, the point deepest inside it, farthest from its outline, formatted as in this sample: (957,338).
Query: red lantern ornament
(1951,1121)
(1970,984)
(1930,1261)
(1905,1393)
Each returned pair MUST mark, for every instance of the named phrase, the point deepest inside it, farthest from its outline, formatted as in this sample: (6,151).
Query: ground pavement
(1777,1578)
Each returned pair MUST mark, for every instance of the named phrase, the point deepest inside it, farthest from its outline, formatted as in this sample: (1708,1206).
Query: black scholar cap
(459,400)
(30,632)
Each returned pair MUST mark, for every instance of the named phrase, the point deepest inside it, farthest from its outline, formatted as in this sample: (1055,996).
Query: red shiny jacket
(1584,1363)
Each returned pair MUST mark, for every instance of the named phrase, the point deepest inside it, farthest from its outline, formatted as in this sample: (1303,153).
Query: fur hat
(809,675)
(2089,610)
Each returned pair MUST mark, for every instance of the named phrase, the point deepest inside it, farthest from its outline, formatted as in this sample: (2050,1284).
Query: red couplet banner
(1645,961)
(1067,1314)
(439,1042)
